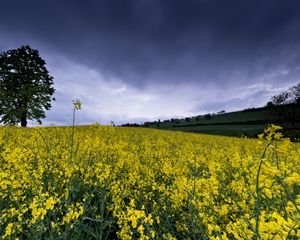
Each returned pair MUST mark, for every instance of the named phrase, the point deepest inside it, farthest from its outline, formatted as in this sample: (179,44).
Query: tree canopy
(290,96)
(25,86)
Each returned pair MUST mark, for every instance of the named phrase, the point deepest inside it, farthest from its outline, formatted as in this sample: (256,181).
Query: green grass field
(241,123)
(225,129)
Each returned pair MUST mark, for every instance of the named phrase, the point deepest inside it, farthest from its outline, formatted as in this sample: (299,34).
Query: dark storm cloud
(145,42)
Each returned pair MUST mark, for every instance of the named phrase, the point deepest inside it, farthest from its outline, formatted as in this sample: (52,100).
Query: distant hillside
(248,122)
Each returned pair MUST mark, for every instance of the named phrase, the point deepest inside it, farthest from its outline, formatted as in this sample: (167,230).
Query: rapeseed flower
(131,183)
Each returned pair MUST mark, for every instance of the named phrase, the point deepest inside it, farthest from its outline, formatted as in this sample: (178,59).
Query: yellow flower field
(134,183)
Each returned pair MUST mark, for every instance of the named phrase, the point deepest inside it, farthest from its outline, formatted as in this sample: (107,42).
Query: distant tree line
(131,125)
(290,96)
(176,121)
(284,108)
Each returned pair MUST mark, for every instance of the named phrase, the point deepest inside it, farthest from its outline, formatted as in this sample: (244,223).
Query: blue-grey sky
(141,60)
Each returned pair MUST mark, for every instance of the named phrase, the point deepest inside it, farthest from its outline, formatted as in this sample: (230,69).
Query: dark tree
(283,107)
(221,112)
(207,116)
(269,104)
(281,99)
(290,96)
(25,86)
(295,94)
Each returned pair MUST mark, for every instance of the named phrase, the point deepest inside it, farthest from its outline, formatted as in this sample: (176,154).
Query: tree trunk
(23,121)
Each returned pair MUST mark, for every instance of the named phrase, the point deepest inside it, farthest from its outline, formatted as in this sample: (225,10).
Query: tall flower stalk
(76,106)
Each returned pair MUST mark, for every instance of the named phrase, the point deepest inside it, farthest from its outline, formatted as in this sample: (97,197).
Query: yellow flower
(148,183)
(50,203)
(77,104)
(8,230)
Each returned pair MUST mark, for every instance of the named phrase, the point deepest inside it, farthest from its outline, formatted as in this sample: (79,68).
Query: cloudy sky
(141,60)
